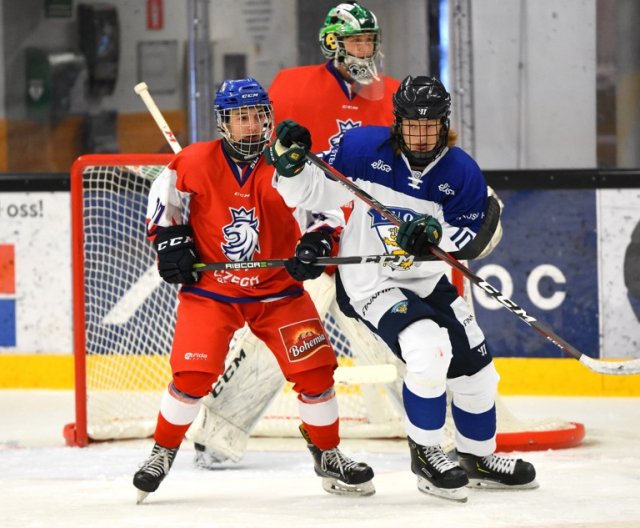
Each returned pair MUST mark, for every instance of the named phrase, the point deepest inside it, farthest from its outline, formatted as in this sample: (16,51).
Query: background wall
(534,83)
(534,71)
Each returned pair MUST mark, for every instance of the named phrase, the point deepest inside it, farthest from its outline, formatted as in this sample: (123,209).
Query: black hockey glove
(415,236)
(311,246)
(176,254)
(287,153)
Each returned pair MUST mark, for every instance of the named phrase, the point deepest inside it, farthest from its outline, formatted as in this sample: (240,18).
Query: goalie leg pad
(230,412)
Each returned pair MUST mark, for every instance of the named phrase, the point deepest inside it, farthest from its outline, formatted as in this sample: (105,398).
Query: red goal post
(77,433)
(123,317)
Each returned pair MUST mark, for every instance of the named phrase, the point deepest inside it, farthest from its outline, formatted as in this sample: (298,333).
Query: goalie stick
(600,366)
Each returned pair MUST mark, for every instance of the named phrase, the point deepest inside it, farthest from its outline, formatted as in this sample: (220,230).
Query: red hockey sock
(168,434)
(324,436)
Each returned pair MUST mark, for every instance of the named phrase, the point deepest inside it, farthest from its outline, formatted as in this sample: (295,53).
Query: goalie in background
(442,197)
(344,92)
(348,91)
(235,214)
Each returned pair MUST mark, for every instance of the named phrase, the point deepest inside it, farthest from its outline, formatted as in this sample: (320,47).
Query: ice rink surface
(45,484)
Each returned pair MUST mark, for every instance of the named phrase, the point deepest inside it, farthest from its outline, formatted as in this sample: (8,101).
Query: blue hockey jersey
(452,189)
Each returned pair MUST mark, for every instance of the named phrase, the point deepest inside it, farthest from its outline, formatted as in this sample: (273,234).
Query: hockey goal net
(124,317)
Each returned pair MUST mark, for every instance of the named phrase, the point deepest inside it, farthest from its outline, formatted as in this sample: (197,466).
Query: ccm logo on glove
(176,254)
(176,241)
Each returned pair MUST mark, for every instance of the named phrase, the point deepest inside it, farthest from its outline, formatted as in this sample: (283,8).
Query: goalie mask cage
(124,316)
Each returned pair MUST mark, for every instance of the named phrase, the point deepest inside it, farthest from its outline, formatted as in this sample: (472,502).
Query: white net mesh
(129,313)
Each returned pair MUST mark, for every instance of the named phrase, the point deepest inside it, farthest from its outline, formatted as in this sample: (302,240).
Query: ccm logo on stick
(536,275)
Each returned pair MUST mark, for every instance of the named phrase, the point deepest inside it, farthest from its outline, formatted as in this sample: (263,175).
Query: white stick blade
(620,368)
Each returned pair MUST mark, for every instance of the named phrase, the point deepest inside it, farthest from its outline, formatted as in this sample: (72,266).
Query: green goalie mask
(351,20)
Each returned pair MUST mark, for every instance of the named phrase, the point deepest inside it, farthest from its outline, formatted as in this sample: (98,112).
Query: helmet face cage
(244,117)
(422,99)
(347,20)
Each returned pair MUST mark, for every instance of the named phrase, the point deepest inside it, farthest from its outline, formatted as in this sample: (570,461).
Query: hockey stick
(321,261)
(143,91)
(139,292)
(600,366)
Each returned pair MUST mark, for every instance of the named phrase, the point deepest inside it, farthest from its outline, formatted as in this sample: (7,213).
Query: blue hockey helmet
(244,116)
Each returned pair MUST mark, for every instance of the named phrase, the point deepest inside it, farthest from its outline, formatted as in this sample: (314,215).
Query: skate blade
(492,484)
(141,496)
(453,494)
(334,486)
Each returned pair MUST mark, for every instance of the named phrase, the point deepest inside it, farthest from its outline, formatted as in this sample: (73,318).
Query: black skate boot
(153,470)
(340,475)
(498,472)
(437,474)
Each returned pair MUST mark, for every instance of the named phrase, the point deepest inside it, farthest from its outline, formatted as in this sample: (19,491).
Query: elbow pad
(489,234)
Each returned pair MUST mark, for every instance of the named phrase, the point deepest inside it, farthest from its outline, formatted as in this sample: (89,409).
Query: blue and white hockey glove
(416,236)
(288,151)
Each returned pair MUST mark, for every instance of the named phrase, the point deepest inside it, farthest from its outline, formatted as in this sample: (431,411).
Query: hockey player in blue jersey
(441,195)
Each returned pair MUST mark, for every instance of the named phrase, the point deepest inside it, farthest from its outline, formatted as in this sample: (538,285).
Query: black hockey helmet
(422,97)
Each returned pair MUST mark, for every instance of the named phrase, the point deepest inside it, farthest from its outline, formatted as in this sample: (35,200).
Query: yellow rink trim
(563,377)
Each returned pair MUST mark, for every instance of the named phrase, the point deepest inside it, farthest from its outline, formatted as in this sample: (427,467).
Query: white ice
(45,484)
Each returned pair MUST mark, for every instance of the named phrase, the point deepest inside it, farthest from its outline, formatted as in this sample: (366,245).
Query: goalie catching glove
(288,151)
(311,246)
(176,254)
(416,235)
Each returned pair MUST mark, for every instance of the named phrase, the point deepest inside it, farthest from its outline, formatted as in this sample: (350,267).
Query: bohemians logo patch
(303,339)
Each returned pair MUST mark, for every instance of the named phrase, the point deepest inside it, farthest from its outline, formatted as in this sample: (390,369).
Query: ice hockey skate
(498,472)
(340,475)
(437,474)
(153,471)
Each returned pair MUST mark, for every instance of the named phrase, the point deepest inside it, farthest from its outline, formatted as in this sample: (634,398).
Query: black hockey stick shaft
(321,261)
(604,367)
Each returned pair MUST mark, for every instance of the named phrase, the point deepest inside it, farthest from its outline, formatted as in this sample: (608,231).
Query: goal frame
(75,434)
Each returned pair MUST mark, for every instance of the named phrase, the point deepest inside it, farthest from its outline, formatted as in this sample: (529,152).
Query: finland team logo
(343,126)
(388,232)
(241,235)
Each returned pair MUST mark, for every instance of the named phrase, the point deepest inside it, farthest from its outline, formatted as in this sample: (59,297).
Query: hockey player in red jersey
(232,207)
(348,91)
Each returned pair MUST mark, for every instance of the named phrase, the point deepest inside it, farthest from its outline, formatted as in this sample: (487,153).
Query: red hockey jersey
(235,215)
(318,98)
